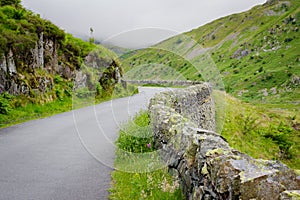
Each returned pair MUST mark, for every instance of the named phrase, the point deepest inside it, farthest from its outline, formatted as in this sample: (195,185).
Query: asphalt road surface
(68,156)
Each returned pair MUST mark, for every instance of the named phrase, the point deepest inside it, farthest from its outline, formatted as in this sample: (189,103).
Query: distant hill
(256,53)
(116,49)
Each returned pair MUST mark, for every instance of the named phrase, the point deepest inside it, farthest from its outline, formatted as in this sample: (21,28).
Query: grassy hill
(255,52)
(43,69)
(255,57)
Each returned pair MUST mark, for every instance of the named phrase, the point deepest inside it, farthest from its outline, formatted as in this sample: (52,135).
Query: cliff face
(43,63)
(39,61)
(12,76)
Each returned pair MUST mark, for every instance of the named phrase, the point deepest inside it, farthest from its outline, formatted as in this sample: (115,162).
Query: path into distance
(68,156)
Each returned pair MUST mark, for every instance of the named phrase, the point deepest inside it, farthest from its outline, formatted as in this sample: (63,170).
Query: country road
(65,157)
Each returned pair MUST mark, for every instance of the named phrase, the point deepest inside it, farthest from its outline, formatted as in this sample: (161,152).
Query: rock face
(12,79)
(34,73)
(183,124)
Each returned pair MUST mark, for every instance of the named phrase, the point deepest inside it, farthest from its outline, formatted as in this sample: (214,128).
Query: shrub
(10,2)
(58,79)
(280,135)
(5,106)
(247,123)
(60,94)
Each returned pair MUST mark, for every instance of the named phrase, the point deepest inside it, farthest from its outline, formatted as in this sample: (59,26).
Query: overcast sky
(134,23)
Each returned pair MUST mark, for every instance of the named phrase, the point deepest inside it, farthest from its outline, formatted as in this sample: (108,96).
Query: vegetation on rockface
(10,2)
(136,137)
(42,67)
(256,53)
(17,109)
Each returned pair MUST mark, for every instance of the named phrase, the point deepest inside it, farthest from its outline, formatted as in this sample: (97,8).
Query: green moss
(295,195)
(217,151)
(204,170)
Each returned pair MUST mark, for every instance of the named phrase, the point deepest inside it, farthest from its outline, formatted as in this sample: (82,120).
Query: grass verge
(136,137)
(10,114)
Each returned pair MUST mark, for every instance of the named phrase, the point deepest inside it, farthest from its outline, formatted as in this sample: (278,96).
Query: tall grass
(136,137)
(260,132)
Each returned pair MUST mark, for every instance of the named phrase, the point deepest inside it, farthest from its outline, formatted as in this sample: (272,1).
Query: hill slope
(256,53)
(40,63)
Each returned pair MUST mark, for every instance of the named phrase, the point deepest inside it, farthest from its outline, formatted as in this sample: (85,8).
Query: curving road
(65,157)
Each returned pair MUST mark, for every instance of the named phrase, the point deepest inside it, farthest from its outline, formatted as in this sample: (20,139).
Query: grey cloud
(110,17)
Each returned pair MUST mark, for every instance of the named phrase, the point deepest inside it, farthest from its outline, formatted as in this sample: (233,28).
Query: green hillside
(44,70)
(255,57)
(255,52)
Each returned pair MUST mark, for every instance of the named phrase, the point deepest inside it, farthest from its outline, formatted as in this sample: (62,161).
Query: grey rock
(207,167)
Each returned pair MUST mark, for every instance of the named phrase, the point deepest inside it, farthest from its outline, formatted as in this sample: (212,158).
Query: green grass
(34,111)
(153,185)
(15,110)
(260,132)
(256,131)
(271,64)
(134,178)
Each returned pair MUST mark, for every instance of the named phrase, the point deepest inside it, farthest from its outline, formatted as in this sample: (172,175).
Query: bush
(60,94)
(83,93)
(281,136)
(5,106)
(10,2)
(58,79)
(247,123)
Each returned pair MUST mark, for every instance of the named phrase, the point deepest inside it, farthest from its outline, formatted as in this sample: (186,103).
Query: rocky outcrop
(208,168)
(7,63)
(38,53)
(34,73)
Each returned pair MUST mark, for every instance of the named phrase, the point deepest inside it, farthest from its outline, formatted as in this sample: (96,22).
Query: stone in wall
(195,103)
(207,166)
(165,82)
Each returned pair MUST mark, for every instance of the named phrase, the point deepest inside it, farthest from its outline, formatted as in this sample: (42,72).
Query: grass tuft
(137,141)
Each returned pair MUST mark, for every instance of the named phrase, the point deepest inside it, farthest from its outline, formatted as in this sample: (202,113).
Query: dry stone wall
(208,168)
(164,82)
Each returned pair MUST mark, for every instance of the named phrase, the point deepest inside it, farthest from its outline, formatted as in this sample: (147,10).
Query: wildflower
(143,194)
(149,145)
